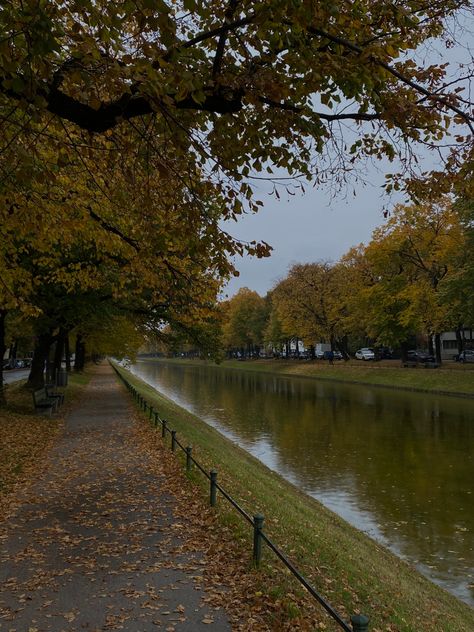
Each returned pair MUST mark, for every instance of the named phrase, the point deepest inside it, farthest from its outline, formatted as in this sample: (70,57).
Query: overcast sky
(308,227)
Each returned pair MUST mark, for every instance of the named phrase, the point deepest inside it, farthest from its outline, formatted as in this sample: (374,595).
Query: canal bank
(452,380)
(350,569)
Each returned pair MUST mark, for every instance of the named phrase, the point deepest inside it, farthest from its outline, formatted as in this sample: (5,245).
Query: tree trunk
(67,352)
(312,353)
(77,352)
(437,345)
(40,354)
(404,349)
(3,348)
(431,347)
(460,338)
(58,353)
(343,347)
(80,353)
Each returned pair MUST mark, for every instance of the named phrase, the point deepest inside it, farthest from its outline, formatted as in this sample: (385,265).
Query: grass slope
(351,571)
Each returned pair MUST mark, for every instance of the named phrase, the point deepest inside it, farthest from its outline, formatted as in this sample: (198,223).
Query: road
(15,375)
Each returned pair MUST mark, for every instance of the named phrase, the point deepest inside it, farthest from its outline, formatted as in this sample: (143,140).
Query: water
(397,465)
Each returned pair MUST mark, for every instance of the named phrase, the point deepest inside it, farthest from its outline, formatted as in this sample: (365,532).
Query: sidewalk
(97,547)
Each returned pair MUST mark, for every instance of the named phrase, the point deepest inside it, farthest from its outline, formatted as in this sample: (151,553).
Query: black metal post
(173,440)
(257,540)
(163,428)
(156,420)
(189,463)
(360,623)
(150,417)
(213,475)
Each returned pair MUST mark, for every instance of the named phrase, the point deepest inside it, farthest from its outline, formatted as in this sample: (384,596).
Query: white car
(365,354)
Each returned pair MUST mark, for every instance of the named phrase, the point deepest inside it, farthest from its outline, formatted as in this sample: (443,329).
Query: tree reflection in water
(396,464)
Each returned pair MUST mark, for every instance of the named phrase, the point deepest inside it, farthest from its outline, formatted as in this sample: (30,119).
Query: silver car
(365,354)
(466,356)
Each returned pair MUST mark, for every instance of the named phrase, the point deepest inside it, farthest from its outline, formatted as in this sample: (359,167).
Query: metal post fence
(213,488)
(360,623)
(257,538)
(189,458)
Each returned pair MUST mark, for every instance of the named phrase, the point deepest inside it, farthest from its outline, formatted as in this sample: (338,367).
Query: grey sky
(307,227)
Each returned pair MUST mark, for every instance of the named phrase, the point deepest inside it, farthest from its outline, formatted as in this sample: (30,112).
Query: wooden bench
(42,402)
(52,393)
(410,364)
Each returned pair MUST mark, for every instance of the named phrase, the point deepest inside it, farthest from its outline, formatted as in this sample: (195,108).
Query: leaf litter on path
(116,536)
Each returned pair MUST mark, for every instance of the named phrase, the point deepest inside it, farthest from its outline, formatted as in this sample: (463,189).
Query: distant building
(449,343)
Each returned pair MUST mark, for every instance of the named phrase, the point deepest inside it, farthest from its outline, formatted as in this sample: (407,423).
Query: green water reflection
(398,465)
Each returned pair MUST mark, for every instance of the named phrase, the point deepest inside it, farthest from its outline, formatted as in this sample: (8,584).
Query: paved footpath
(96,546)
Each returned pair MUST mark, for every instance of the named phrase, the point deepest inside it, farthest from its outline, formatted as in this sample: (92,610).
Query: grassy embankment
(26,437)
(347,567)
(452,378)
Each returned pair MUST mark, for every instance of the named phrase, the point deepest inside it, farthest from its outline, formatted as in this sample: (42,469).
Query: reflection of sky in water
(397,465)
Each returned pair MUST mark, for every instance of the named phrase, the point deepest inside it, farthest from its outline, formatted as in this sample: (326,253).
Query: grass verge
(351,571)
(26,437)
(453,379)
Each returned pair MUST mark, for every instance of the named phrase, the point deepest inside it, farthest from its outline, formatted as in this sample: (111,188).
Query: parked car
(365,354)
(466,356)
(13,363)
(383,353)
(336,355)
(420,356)
(320,349)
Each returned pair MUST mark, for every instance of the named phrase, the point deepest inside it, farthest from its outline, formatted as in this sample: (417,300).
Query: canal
(397,465)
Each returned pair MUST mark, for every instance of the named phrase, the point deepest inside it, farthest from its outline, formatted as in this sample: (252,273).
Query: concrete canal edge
(351,570)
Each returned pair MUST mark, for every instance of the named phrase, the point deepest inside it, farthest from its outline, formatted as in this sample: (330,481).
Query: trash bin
(61,379)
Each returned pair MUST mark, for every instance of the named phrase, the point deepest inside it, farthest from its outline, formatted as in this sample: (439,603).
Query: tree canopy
(310,302)
(241,85)
(131,129)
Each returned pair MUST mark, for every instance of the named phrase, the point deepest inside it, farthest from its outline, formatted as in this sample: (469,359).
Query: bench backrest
(39,395)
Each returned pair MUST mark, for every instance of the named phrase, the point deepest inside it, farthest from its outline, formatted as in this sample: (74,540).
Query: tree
(72,244)
(377,300)
(309,302)
(411,259)
(457,290)
(275,335)
(226,79)
(245,317)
